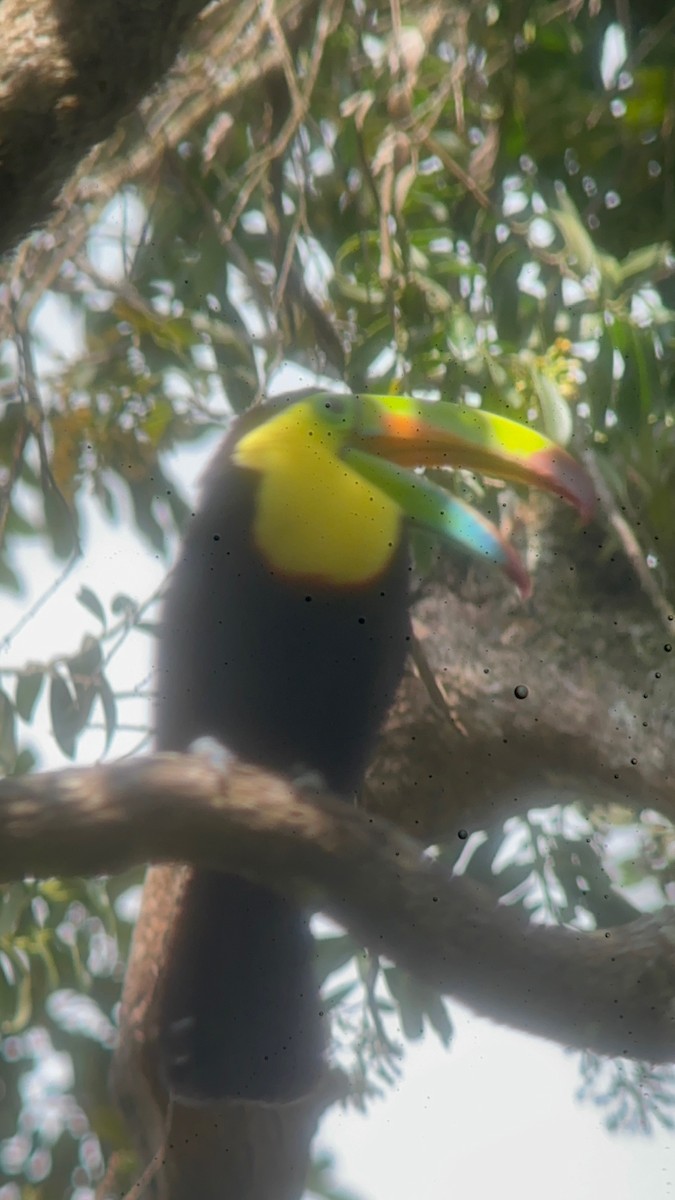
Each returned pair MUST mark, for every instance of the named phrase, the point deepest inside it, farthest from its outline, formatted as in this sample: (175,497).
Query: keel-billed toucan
(284,637)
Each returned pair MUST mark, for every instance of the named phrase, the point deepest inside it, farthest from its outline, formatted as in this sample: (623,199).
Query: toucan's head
(333,491)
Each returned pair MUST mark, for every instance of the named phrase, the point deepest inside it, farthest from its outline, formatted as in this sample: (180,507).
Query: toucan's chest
(285,672)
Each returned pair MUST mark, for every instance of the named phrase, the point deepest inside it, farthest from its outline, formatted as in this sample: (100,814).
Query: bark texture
(68,73)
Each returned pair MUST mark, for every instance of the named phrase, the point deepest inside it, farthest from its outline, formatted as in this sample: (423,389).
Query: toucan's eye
(338,406)
(336,409)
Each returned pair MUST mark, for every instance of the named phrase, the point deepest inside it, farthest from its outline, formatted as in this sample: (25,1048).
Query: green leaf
(438,298)
(152,628)
(356,270)
(23,994)
(85,664)
(14,900)
(61,523)
(109,703)
(65,716)
(332,953)
(640,266)
(89,600)
(407,994)
(555,411)
(143,497)
(439,1019)
(579,244)
(334,999)
(647,99)
(25,761)
(123,605)
(28,688)
(7,733)
(600,380)
(375,338)
(462,336)
(9,580)
(84,669)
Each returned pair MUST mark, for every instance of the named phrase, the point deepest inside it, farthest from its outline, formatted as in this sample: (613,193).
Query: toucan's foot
(213,751)
(307,780)
(179,1059)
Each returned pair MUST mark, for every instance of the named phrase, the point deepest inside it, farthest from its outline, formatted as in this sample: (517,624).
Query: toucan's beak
(418,433)
(393,432)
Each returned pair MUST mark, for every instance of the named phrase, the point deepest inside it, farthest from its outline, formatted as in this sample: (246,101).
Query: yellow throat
(315,518)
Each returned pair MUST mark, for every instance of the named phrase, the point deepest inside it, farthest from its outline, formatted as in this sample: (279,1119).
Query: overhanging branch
(608,991)
(70,74)
(67,74)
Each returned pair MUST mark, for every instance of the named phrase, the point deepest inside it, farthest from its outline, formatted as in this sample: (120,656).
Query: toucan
(284,636)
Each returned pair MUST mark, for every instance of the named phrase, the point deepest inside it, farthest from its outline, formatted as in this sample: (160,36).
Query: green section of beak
(419,433)
(429,506)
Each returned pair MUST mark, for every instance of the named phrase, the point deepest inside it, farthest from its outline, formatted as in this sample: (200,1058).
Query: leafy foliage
(634,1097)
(474,203)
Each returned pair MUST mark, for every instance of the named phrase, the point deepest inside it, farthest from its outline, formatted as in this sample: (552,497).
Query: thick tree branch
(608,991)
(597,723)
(68,72)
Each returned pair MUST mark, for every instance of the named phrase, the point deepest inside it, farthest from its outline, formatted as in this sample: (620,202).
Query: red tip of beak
(563,474)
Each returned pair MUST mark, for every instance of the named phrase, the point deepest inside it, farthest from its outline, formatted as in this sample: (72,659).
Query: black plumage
(290,676)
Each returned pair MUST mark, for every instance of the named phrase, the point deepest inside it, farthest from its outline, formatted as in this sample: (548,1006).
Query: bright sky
(494,1116)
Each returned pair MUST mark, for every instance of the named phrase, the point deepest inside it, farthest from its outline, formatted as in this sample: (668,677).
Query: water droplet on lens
(521,692)
(462,834)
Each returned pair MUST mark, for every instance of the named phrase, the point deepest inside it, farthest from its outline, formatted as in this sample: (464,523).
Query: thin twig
(260,163)
(156,1162)
(18,449)
(34,609)
(629,542)
(435,691)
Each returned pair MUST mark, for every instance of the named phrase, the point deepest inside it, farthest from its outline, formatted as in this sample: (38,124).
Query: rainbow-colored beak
(389,433)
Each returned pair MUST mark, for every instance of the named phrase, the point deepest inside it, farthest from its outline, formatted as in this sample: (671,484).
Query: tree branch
(597,723)
(70,74)
(605,991)
(67,75)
